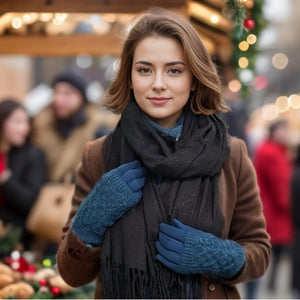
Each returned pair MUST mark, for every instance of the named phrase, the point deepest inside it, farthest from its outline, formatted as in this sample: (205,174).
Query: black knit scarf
(182,183)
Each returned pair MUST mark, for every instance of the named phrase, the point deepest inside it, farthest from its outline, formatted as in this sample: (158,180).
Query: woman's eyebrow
(172,63)
(143,62)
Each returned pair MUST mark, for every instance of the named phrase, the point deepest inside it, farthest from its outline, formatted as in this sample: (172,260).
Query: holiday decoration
(55,291)
(9,238)
(20,279)
(249,24)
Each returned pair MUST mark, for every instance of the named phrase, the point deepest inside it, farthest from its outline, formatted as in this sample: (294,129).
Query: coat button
(212,287)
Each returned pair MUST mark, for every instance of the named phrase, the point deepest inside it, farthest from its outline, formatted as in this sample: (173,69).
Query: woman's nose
(159,82)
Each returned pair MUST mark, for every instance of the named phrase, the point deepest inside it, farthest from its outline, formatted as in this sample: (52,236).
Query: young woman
(22,166)
(167,206)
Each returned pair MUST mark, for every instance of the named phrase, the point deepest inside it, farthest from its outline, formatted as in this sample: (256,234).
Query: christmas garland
(247,22)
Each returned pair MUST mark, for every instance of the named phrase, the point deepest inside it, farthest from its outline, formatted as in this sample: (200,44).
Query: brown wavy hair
(207,97)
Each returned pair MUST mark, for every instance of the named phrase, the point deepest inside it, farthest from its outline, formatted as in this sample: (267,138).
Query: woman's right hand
(113,195)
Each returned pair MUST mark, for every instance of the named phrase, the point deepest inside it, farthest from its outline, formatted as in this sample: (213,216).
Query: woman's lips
(159,100)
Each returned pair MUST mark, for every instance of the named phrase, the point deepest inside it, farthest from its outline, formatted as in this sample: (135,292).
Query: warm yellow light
(282,103)
(214,19)
(294,101)
(269,112)
(280,61)
(251,39)
(61,16)
(46,17)
(234,85)
(57,22)
(243,46)
(27,18)
(243,62)
(16,23)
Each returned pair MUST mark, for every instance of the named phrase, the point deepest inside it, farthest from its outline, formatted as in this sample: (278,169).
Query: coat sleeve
(77,263)
(248,226)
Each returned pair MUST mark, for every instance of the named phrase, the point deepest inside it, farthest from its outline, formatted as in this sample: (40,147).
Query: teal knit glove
(187,250)
(112,196)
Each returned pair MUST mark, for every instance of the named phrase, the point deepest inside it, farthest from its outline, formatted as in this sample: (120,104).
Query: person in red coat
(274,170)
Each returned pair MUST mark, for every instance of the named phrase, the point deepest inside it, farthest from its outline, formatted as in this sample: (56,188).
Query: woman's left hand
(187,250)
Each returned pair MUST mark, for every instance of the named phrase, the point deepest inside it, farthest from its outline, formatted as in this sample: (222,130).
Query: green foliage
(239,33)
(9,238)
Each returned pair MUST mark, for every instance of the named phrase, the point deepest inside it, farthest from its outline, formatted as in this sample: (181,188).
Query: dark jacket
(240,205)
(28,167)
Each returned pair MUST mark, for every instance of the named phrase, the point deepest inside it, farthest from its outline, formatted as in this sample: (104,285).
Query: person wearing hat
(274,170)
(63,127)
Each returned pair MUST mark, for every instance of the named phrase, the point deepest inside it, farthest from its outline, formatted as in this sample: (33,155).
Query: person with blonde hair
(167,205)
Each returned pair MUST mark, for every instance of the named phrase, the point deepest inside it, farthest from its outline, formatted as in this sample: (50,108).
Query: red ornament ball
(249,23)
(55,291)
(43,282)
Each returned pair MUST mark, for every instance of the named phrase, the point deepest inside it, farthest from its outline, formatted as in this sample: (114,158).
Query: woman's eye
(174,71)
(144,70)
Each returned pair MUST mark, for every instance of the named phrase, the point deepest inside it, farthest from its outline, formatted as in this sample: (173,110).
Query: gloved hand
(186,250)
(113,195)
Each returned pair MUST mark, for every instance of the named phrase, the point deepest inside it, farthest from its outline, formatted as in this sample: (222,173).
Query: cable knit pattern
(206,254)
(112,196)
(174,132)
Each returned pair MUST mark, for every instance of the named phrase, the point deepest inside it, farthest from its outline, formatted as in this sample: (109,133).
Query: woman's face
(16,128)
(67,100)
(161,79)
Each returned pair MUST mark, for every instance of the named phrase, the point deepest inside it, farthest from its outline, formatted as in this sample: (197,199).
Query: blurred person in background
(237,117)
(63,127)
(296,219)
(274,169)
(22,167)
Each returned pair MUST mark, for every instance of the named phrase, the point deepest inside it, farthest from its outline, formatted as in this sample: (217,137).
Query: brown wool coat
(240,204)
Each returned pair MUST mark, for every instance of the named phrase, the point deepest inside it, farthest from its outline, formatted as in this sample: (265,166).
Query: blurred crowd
(45,148)
(277,164)
(48,148)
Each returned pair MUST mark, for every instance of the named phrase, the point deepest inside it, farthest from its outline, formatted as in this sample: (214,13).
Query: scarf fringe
(128,283)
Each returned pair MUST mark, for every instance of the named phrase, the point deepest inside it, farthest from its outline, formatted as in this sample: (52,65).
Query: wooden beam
(90,6)
(61,45)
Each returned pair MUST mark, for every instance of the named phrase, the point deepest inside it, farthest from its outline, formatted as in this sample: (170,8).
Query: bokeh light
(84,60)
(16,23)
(246,76)
(280,61)
(251,39)
(243,62)
(269,112)
(294,101)
(243,46)
(282,103)
(260,82)
(234,85)
(214,19)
